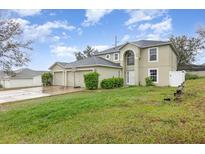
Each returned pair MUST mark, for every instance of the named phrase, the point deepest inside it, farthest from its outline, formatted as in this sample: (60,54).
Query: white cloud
(153,36)
(44,31)
(142,15)
(125,38)
(93,16)
(27,12)
(56,38)
(100,47)
(162,26)
(22,22)
(143,27)
(65,35)
(62,51)
(156,31)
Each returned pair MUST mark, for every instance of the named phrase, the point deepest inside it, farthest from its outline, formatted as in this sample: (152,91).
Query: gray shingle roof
(24,73)
(140,44)
(90,61)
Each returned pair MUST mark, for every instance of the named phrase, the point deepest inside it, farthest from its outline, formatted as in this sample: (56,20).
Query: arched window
(130,58)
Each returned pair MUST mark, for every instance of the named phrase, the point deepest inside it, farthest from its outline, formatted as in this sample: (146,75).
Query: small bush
(91,80)
(112,83)
(189,76)
(47,79)
(149,81)
(1,86)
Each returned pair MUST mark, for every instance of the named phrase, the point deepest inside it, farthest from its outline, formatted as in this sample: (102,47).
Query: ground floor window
(153,74)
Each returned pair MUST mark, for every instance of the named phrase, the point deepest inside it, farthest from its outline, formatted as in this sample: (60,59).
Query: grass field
(126,115)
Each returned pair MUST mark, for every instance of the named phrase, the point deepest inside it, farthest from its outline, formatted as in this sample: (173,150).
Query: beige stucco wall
(166,62)
(106,72)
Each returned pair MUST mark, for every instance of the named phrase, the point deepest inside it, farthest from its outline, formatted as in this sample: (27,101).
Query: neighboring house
(194,69)
(21,78)
(134,61)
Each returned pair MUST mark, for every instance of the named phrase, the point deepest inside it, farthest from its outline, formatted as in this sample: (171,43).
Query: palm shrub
(47,79)
(112,83)
(91,80)
(149,81)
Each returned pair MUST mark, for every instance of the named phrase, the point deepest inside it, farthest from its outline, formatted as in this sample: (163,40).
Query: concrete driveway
(30,93)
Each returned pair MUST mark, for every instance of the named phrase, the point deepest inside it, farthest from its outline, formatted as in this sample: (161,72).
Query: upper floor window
(107,56)
(153,54)
(130,58)
(116,56)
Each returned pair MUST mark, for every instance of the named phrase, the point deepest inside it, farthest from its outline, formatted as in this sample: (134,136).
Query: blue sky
(57,34)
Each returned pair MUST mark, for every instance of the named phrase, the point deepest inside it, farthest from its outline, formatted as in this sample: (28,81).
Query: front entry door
(130,77)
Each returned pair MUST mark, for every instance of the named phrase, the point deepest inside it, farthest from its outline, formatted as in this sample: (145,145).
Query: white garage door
(17,83)
(79,78)
(58,79)
(70,79)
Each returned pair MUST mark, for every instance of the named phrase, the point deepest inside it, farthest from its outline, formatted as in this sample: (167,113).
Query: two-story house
(134,61)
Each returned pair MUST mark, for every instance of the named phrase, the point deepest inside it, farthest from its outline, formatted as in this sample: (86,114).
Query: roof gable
(60,64)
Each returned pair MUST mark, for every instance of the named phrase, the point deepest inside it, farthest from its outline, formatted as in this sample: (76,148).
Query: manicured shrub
(112,83)
(149,81)
(91,80)
(47,79)
(189,76)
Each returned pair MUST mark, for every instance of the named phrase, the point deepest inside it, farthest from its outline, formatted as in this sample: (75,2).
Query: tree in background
(79,55)
(189,47)
(88,52)
(12,48)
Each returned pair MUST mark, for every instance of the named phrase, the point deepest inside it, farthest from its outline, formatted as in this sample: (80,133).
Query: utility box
(176,78)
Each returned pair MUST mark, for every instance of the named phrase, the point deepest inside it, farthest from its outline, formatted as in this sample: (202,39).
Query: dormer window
(116,57)
(107,56)
(153,54)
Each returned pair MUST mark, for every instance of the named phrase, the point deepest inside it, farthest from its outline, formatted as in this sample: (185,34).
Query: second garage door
(79,78)
(58,79)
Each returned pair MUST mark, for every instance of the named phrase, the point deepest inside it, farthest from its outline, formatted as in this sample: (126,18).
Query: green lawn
(126,115)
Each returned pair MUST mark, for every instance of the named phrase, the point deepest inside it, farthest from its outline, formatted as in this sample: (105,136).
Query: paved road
(30,93)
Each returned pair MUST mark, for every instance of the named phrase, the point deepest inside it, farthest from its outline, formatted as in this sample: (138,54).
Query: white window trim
(149,54)
(157,73)
(118,55)
(107,55)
